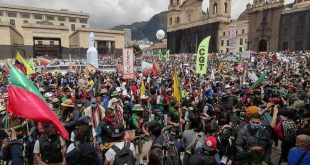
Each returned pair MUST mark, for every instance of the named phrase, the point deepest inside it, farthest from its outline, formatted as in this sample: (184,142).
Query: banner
(202,56)
(167,55)
(128,64)
(232,38)
(160,55)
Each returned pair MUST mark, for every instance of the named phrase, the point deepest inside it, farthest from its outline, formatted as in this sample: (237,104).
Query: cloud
(109,13)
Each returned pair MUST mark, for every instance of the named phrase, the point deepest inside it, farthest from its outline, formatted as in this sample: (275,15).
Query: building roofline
(36,9)
(97,31)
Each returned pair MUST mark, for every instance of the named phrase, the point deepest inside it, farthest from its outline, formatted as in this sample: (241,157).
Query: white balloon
(160,34)
(205,6)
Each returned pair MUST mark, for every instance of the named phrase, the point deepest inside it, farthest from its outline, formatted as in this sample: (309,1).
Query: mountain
(146,29)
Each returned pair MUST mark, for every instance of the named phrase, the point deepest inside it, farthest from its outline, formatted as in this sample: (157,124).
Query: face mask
(79,105)
(255,126)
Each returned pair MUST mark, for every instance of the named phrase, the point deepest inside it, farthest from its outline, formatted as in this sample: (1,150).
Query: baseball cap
(210,143)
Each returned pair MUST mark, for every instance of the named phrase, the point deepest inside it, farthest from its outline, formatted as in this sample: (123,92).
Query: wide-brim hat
(55,100)
(118,131)
(67,103)
(103,91)
(137,108)
(115,93)
(144,97)
(41,89)
(227,86)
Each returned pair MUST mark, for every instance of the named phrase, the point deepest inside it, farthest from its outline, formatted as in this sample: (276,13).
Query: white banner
(128,64)
(232,38)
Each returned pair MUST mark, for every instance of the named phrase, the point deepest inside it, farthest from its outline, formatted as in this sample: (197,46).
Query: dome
(245,13)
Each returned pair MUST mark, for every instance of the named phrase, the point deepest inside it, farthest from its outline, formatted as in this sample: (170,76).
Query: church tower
(173,15)
(219,8)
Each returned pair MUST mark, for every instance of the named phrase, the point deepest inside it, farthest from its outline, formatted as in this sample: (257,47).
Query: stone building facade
(40,31)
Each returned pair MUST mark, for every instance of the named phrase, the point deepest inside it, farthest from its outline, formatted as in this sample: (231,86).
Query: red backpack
(279,130)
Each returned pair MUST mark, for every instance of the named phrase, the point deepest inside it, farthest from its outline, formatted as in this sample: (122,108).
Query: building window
(243,31)
(62,19)
(72,19)
(227,43)
(222,43)
(40,42)
(72,27)
(227,50)
(25,15)
(178,2)
(236,32)
(51,42)
(215,8)
(38,16)
(226,7)
(241,41)
(170,21)
(12,14)
(221,51)
(224,33)
(83,26)
(240,49)
(285,45)
(12,22)
(62,24)
(178,20)
(82,20)
(25,21)
(50,18)
(1,13)
(245,40)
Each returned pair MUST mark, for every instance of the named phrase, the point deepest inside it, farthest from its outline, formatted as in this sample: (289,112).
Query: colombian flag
(22,65)
(26,101)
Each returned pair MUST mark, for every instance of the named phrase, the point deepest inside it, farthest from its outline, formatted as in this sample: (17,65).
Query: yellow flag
(176,88)
(220,67)
(142,89)
(90,68)
(21,60)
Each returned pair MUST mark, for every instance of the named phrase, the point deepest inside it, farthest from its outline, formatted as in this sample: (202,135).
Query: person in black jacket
(253,143)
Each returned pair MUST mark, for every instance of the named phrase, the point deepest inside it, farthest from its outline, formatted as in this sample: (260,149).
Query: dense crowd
(221,118)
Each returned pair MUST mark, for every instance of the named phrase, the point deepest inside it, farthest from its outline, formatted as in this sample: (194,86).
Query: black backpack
(123,156)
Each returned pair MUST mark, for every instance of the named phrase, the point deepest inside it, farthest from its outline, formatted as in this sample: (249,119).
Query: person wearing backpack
(285,130)
(82,151)
(121,152)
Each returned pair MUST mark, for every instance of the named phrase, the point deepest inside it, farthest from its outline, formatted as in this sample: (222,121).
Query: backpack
(123,156)
(279,130)
(87,154)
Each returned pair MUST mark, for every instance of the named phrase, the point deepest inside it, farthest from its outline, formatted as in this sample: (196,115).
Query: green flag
(167,55)
(160,55)
(202,56)
(32,64)
(260,79)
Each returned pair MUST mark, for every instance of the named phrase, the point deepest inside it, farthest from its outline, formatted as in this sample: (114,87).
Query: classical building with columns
(59,33)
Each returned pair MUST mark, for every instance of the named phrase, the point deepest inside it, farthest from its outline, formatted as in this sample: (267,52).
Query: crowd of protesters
(221,118)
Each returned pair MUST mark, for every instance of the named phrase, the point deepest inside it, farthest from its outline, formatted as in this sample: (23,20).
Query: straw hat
(41,89)
(67,103)
(55,100)
(103,91)
(144,97)
(137,108)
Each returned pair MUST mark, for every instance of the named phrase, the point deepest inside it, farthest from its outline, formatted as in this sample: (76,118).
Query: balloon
(205,6)
(160,34)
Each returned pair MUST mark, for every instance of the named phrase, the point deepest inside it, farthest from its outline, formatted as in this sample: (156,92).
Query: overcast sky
(109,13)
